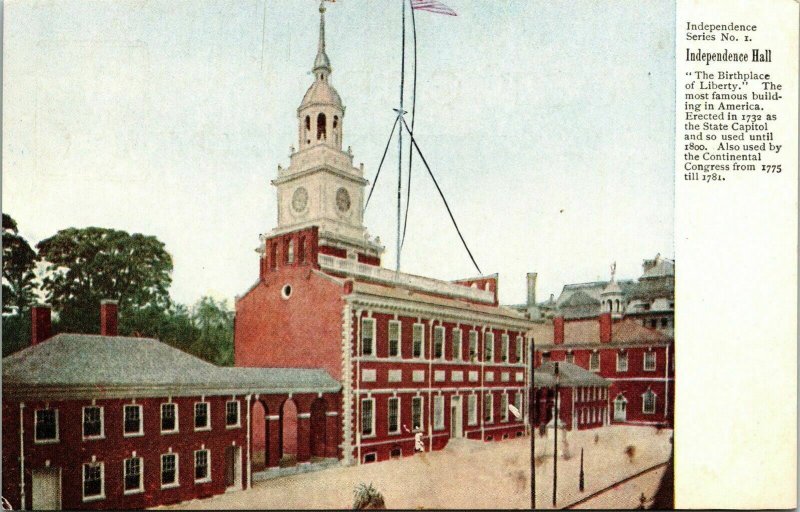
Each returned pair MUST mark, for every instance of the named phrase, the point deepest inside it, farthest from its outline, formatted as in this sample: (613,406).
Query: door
(456,417)
(46,489)
(233,467)
(620,409)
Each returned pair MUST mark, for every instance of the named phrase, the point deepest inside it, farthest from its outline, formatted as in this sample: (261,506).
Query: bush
(367,497)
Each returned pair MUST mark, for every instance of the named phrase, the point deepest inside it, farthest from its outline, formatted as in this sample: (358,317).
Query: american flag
(432,6)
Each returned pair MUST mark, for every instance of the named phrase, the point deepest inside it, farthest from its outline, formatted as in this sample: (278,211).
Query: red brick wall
(71,451)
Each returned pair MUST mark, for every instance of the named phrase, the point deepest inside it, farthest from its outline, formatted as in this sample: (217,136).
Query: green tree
(214,321)
(87,265)
(19,263)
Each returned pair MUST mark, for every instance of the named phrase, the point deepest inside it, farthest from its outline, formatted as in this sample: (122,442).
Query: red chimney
(558,330)
(40,323)
(108,317)
(605,327)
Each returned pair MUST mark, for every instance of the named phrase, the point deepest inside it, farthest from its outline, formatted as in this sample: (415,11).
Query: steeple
(322,65)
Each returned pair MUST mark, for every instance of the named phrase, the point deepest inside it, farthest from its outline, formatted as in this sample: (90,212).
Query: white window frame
(207,426)
(102,433)
(569,357)
(399,325)
(457,344)
(421,401)
(646,367)
(177,481)
(372,345)
(518,399)
(395,399)
(439,329)
(474,355)
(161,418)
(372,433)
(488,397)
(622,357)
(620,399)
(488,347)
(141,421)
(102,494)
(504,407)
(36,439)
(438,412)
(238,423)
(418,327)
(139,489)
(207,478)
(472,409)
(644,401)
(520,350)
(504,348)
(592,356)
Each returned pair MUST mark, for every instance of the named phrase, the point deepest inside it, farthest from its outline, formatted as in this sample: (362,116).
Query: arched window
(301,250)
(321,126)
(617,305)
(308,128)
(620,408)
(335,122)
(290,252)
(649,402)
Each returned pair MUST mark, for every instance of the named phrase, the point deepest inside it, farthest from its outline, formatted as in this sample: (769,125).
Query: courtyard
(474,474)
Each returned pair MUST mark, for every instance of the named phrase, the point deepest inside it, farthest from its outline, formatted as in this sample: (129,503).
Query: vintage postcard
(274,254)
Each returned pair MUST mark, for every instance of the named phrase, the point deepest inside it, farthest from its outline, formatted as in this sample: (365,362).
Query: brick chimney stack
(108,317)
(40,323)
(605,327)
(558,330)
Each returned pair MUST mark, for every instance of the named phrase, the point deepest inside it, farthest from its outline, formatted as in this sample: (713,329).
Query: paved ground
(627,495)
(472,474)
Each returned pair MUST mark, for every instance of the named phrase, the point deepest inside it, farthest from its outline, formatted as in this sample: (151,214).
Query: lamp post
(580,478)
(531,419)
(555,437)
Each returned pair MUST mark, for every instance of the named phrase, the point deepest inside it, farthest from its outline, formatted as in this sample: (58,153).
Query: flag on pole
(432,6)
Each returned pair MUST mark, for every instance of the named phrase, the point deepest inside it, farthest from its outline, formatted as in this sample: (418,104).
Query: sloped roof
(587,332)
(570,375)
(593,289)
(663,268)
(77,365)
(580,298)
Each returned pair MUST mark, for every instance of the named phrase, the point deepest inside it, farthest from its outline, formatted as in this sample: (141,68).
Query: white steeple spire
(322,63)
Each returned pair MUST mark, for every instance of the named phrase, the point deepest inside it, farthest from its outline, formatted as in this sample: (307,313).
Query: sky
(549,127)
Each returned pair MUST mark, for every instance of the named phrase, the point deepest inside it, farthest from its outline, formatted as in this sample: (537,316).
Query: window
(518,404)
(368,417)
(367,336)
(620,408)
(133,420)
(594,361)
(290,252)
(570,358)
(519,349)
(438,342)
(649,402)
(504,407)
(473,345)
(46,426)
(321,126)
(232,413)
(394,338)
(201,473)
(504,348)
(301,250)
(622,361)
(488,346)
(169,470)
(370,457)
(456,344)
(488,408)
(93,481)
(545,357)
(93,422)
(472,410)
(438,412)
(418,336)
(650,361)
(664,322)
(394,415)
(416,413)
(133,475)
(169,417)
(201,416)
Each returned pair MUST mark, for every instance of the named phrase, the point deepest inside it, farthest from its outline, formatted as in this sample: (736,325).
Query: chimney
(532,288)
(108,317)
(558,330)
(605,327)
(40,323)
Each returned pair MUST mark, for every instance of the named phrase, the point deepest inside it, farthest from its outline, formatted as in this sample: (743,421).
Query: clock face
(300,199)
(343,200)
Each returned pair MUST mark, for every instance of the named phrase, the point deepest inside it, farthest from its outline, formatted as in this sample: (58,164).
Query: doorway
(46,489)
(233,468)
(456,417)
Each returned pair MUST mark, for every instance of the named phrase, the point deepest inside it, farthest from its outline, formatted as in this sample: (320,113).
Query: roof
(662,268)
(580,298)
(587,332)
(84,365)
(570,375)
(321,92)
(593,289)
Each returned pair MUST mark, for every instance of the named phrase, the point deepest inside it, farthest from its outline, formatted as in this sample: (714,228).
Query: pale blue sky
(549,126)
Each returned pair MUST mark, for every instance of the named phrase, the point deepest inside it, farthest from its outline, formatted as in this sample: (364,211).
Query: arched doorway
(288,434)
(259,443)
(319,433)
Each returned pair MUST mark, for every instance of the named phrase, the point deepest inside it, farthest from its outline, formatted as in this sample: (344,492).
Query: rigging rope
(378,173)
(413,111)
(441,194)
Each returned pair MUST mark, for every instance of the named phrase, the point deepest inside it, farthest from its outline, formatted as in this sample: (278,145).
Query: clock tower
(321,187)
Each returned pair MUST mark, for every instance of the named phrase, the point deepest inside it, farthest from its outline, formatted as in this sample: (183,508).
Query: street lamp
(531,393)
(555,437)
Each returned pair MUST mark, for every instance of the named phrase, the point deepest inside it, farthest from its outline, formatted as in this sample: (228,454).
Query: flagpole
(400,132)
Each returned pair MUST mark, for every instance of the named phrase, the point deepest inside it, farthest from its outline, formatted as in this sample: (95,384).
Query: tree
(90,264)
(214,322)
(19,263)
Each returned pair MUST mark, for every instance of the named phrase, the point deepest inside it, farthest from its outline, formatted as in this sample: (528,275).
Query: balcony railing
(383,275)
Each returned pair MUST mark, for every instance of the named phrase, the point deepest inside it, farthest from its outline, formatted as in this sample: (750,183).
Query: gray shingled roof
(570,375)
(83,365)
